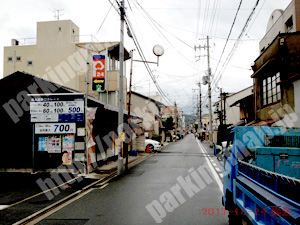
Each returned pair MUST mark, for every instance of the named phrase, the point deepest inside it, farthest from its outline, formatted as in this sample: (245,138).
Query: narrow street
(174,186)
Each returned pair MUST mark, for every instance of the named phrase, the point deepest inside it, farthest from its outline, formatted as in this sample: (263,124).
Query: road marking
(3,206)
(211,167)
(104,186)
(55,209)
(40,193)
(217,169)
(214,164)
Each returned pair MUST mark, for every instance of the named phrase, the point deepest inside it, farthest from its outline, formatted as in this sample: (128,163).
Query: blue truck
(262,175)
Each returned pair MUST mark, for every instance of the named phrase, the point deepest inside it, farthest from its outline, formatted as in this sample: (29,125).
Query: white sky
(177,25)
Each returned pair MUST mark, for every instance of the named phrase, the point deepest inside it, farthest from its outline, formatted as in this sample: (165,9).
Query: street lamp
(158,50)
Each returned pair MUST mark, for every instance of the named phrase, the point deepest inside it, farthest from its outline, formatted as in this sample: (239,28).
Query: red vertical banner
(99,73)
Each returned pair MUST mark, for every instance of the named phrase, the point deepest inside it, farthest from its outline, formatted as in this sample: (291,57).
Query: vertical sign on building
(99,73)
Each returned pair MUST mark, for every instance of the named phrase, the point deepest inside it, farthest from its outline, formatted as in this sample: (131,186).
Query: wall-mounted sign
(55,128)
(51,144)
(99,73)
(56,109)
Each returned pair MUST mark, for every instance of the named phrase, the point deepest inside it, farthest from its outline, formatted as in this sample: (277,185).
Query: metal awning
(263,122)
(241,100)
(270,64)
(240,123)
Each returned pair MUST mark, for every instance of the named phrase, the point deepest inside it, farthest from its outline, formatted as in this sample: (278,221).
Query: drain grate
(149,161)
(135,173)
(63,221)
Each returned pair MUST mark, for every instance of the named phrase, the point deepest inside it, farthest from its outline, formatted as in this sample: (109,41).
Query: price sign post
(56,119)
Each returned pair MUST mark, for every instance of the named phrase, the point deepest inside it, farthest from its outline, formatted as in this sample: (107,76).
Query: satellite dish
(158,50)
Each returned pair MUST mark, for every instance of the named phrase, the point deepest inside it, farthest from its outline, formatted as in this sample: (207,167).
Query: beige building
(148,109)
(281,21)
(59,56)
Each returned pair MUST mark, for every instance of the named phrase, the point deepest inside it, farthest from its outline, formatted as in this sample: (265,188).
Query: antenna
(57,13)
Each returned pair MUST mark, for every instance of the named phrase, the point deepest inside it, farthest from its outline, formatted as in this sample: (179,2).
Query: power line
(156,25)
(237,11)
(198,20)
(235,45)
(218,77)
(144,60)
(104,19)
(128,23)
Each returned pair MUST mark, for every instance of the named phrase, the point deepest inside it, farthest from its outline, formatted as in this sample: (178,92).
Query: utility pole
(85,108)
(224,94)
(129,107)
(121,99)
(221,111)
(209,95)
(200,110)
(209,90)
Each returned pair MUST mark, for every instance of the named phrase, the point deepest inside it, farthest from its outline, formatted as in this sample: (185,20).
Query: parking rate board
(57,109)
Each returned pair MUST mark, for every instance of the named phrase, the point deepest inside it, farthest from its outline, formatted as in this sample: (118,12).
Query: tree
(168,124)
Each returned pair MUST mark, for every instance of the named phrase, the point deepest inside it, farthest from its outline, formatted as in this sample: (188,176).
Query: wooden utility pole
(129,109)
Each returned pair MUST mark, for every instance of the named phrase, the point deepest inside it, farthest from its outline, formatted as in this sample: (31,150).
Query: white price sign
(57,107)
(55,128)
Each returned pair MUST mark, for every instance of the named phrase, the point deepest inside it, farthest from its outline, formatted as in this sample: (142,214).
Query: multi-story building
(59,56)
(280,21)
(276,70)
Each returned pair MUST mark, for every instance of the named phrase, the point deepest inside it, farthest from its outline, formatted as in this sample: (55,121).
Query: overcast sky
(177,25)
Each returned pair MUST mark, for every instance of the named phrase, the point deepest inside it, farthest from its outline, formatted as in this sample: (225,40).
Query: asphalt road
(175,186)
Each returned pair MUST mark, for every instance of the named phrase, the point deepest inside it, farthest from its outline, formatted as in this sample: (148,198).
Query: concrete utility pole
(200,110)
(221,111)
(209,90)
(209,95)
(121,99)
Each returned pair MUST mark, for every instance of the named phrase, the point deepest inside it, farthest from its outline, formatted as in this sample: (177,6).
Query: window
(29,63)
(289,24)
(271,90)
(18,58)
(9,59)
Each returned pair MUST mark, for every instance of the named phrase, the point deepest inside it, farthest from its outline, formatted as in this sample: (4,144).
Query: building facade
(59,56)
(276,70)
(148,109)
(230,110)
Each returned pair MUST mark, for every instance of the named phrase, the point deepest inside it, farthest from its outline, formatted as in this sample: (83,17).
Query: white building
(281,21)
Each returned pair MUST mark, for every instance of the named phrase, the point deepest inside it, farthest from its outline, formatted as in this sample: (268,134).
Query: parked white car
(153,145)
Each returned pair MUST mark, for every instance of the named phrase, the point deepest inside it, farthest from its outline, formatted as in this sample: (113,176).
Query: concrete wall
(138,143)
(147,110)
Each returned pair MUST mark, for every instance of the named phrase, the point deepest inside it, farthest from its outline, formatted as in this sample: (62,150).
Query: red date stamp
(274,211)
